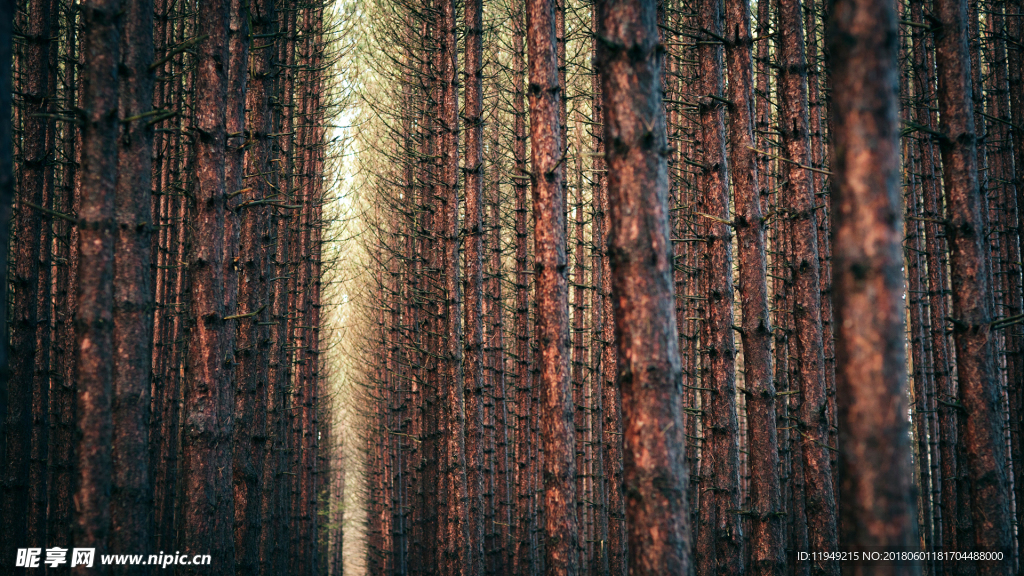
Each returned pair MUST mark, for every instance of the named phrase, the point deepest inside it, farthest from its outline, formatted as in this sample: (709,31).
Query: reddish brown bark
(935,248)
(649,372)
(524,561)
(971,284)
(247,177)
(877,507)
(208,507)
(167,384)
(599,322)
(273,537)
(455,526)
(719,539)
(131,507)
(766,544)
(550,267)
(473,233)
(93,316)
(798,190)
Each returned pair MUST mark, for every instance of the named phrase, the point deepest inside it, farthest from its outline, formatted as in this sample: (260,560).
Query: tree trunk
(798,189)
(132,498)
(33,79)
(7,10)
(550,267)
(474,180)
(877,509)
(93,318)
(208,507)
(649,371)
(524,562)
(456,525)
(766,544)
(720,540)
(971,284)
(247,180)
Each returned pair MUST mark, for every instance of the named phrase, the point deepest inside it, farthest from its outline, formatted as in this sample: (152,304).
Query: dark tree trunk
(935,249)
(767,548)
(971,284)
(649,372)
(474,179)
(798,189)
(208,507)
(720,539)
(1015,63)
(877,509)
(456,525)
(22,387)
(6,209)
(132,498)
(524,561)
(62,397)
(272,498)
(39,458)
(94,341)
(247,178)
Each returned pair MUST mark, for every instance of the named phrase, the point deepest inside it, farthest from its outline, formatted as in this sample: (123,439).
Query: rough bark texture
(550,268)
(877,508)
(132,498)
(767,548)
(473,233)
(95,295)
(971,284)
(22,387)
(798,190)
(247,175)
(720,537)
(648,371)
(598,319)
(6,209)
(208,508)
(456,526)
(935,248)
(524,560)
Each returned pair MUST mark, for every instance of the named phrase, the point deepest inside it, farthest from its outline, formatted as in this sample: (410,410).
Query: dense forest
(511,287)
(164,389)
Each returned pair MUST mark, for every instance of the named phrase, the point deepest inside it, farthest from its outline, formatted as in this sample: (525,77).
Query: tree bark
(208,507)
(649,372)
(798,189)
(971,284)
(473,233)
(550,268)
(132,497)
(22,387)
(877,509)
(247,180)
(7,9)
(935,249)
(524,562)
(720,539)
(456,526)
(767,548)
(93,317)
